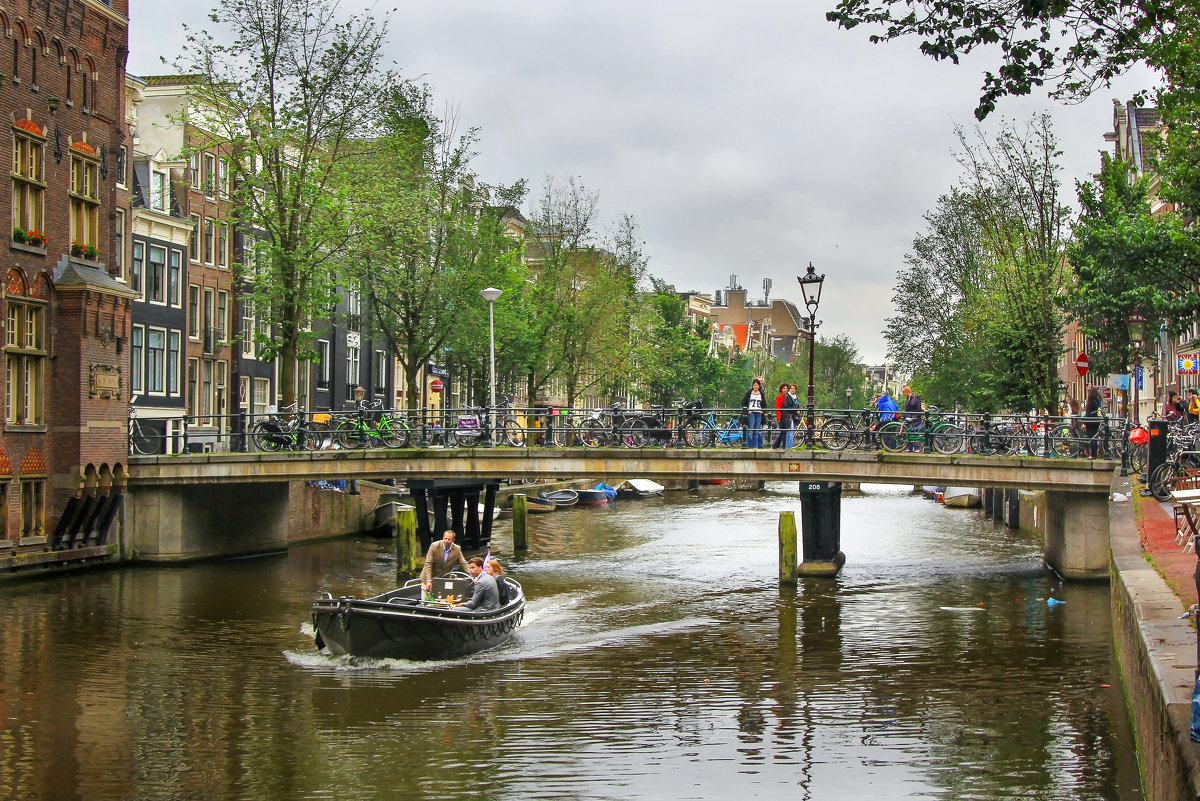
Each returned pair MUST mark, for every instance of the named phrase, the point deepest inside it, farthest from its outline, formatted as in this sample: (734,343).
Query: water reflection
(659,659)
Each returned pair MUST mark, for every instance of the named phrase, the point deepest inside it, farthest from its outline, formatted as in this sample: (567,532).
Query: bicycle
(904,434)
(370,425)
(509,430)
(701,432)
(141,442)
(279,432)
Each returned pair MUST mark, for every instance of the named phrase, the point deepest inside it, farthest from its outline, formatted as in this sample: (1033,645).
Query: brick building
(67,306)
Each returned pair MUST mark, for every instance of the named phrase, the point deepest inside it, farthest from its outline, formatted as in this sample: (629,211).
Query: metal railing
(680,426)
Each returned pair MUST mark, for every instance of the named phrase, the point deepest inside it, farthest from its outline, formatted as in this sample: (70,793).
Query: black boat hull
(395,625)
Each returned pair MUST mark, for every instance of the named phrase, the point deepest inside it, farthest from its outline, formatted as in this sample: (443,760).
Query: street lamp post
(849,392)
(490,295)
(1137,331)
(810,285)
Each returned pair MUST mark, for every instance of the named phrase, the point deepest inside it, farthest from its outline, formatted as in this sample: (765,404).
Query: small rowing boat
(562,498)
(400,624)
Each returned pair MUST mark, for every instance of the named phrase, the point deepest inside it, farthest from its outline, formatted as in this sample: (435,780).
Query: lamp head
(810,285)
(1137,325)
(491,294)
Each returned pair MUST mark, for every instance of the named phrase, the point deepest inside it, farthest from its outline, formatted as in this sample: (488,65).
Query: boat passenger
(495,569)
(485,596)
(442,558)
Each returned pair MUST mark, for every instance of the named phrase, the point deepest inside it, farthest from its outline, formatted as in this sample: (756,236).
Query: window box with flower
(29,241)
(81,251)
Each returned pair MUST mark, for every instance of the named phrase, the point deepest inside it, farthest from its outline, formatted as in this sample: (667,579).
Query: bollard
(409,559)
(520,522)
(789,555)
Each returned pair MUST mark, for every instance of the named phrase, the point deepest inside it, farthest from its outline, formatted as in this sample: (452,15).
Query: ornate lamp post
(849,392)
(490,295)
(810,285)
(1137,331)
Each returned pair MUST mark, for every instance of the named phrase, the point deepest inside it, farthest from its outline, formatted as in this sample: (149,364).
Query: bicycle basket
(468,421)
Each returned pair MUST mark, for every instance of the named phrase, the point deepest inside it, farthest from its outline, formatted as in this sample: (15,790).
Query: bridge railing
(692,426)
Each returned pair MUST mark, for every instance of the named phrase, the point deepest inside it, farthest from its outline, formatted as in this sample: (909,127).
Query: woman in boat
(493,567)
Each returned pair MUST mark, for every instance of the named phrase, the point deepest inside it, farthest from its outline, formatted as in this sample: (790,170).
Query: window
(119,238)
(28,191)
(156,275)
(324,364)
(210,177)
(224,185)
(137,358)
(194,170)
(223,245)
(222,318)
(352,363)
(136,267)
(222,389)
(193,311)
(25,359)
(210,233)
(193,399)
(175,278)
(156,353)
(194,239)
(122,166)
(174,350)
(85,196)
(379,375)
(262,391)
(210,310)
(158,190)
(33,507)
(206,388)
(353,303)
(247,328)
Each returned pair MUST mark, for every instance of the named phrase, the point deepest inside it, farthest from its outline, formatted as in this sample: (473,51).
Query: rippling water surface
(659,659)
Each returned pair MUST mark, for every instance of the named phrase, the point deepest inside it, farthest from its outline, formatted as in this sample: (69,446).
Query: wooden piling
(409,558)
(789,555)
(520,522)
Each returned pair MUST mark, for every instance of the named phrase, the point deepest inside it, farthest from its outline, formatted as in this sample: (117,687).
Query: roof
(71,273)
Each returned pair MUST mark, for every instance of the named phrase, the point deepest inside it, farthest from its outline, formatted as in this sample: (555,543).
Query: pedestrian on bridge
(784,416)
(1091,425)
(752,408)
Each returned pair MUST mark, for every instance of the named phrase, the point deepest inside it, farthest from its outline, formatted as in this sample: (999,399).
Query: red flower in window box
(35,238)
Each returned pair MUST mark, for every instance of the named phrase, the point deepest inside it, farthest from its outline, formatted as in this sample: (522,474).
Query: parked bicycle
(370,425)
(903,434)
(143,441)
(290,430)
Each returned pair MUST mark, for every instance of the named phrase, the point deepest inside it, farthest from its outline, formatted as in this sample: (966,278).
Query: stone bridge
(177,500)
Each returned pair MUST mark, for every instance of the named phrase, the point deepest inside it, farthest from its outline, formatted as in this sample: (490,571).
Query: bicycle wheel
(695,433)
(351,434)
(835,435)
(731,435)
(948,439)
(633,433)
(1160,481)
(266,437)
(1061,441)
(593,435)
(142,443)
(892,437)
(469,437)
(1139,455)
(512,433)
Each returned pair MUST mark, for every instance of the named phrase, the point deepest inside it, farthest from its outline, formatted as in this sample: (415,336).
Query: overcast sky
(746,139)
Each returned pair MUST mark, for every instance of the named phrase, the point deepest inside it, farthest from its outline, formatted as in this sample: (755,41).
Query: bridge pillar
(821,518)
(1077,541)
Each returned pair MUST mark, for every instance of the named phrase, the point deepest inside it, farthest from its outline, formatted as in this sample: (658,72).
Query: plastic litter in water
(1054,602)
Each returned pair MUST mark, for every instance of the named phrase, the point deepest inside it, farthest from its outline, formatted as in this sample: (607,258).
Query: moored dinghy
(639,488)
(535,505)
(562,498)
(961,497)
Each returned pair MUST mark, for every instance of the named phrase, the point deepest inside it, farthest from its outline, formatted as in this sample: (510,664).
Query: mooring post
(520,522)
(789,555)
(408,550)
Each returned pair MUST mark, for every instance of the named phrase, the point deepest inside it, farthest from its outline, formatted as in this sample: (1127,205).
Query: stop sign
(1081,363)
(435,385)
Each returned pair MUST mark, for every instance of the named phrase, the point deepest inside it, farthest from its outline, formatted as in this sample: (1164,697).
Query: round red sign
(1081,363)
(435,385)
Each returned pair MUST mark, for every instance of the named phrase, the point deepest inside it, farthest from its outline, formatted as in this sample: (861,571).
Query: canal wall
(1154,646)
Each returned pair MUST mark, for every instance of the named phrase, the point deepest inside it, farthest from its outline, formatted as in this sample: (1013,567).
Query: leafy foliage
(1075,46)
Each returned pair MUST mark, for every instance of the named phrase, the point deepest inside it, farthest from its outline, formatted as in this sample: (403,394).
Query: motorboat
(961,497)
(535,505)
(592,497)
(409,623)
(639,488)
(562,498)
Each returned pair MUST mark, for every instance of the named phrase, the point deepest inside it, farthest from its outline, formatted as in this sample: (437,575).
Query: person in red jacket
(782,421)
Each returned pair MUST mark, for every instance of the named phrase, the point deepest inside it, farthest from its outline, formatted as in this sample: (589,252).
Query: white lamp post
(490,294)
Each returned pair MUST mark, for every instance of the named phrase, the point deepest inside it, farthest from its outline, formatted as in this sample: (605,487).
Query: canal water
(659,659)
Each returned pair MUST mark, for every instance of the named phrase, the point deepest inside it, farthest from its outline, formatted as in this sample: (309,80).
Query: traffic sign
(1187,364)
(1081,363)
(435,385)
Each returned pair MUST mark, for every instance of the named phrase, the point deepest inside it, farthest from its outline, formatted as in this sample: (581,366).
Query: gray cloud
(746,138)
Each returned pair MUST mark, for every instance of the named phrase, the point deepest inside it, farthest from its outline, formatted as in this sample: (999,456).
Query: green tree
(1126,258)
(425,238)
(288,95)
(1075,46)
(671,358)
